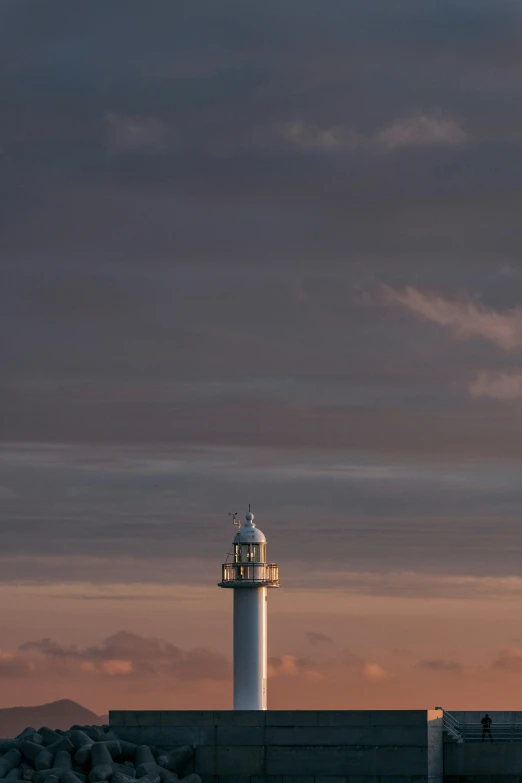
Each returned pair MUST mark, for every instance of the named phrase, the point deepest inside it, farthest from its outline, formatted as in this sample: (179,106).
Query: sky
(263,253)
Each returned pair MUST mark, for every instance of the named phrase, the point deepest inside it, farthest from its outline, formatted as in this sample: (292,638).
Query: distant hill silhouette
(57,715)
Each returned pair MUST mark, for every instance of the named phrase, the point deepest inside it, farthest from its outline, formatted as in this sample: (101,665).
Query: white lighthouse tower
(249,575)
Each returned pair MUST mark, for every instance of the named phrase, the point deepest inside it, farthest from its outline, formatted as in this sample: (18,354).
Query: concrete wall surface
(435,746)
(483,779)
(475,758)
(301,746)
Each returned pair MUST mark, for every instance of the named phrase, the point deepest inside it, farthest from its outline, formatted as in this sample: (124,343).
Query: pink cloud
(290,666)
(122,654)
(421,130)
(465,318)
(499,386)
(374,672)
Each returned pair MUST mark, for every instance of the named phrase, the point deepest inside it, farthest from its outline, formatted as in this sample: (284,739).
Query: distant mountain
(57,715)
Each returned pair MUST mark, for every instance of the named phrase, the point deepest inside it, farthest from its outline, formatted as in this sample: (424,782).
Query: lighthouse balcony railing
(237,574)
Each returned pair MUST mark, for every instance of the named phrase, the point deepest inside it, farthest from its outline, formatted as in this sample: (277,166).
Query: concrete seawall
(363,746)
(483,763)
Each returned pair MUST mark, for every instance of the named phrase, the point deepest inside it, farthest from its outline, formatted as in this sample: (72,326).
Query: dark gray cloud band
(202,210)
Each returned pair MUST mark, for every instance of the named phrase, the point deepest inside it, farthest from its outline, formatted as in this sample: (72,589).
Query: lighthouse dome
(249,533)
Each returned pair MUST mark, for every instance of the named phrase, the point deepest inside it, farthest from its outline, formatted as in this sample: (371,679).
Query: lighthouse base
(250,648)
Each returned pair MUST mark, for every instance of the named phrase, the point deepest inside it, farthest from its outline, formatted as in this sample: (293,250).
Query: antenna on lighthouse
(235,519)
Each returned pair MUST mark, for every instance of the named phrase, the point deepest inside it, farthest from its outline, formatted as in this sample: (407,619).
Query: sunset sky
(264,253)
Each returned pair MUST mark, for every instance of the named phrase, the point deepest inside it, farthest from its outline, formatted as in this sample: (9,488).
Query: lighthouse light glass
(250,553)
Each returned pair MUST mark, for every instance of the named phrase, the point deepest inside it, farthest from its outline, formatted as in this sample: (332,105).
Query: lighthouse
(249,576)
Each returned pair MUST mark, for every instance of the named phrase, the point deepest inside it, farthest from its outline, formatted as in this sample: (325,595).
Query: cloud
(115,667)
(129,654)
(331,667)
(420,130)
(465,318)
(509,660)
(411,584)
(136,133)
(374,672)
(440,665)
(498,386)
(12,665)
(315,638)
(314,137)
(47,646)
(290,666)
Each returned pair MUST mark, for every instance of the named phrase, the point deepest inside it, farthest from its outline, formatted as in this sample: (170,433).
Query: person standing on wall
(486,727)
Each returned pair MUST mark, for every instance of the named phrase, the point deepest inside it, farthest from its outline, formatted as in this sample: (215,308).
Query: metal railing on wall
(500,732)
(452,726)
(474,732)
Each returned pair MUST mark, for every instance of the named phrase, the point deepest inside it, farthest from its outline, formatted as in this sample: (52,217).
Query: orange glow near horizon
(366,652)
